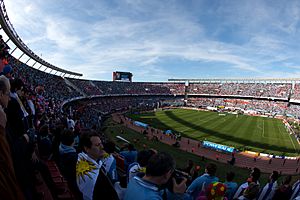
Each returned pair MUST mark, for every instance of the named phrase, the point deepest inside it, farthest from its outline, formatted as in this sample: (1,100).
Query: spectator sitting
(285,190)
(296,190)
(139,166)
(200,184)
(254,176)
(158,171)
(231,186)
(129,156)
(250,192)
(268,191)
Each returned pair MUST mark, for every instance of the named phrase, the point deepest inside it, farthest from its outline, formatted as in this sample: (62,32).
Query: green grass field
(243,132)
(112,129)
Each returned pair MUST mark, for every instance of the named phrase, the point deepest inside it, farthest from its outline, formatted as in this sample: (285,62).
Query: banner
(219,147)
(141,124)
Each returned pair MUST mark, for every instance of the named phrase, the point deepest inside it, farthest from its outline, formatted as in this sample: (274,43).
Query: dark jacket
(103,188)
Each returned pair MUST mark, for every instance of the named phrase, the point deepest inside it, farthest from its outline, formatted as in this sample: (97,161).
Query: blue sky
(161,39)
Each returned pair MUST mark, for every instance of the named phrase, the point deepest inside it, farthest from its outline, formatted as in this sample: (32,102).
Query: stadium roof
(11,33)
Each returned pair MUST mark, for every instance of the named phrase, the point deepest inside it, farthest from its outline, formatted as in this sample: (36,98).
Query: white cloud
(98,37)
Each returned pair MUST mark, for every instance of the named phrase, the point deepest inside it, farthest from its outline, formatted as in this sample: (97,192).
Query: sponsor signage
(141,124)
(219,147)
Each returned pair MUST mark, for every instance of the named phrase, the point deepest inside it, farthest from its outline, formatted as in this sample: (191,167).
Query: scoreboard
(122,76)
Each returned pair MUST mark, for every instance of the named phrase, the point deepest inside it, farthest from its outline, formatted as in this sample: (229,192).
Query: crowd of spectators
(90,111)
(277,90)
(142,88)
(86,86)
(260,106)
(36,79)
(296,92)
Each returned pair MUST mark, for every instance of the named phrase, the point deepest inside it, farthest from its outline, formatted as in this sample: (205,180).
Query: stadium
(237,124)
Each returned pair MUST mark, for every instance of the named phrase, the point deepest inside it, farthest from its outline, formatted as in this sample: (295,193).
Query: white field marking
(290,139)
(292,142)
(263,131)
(262,128)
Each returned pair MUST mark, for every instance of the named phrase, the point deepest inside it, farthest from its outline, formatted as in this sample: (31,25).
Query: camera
(178,176)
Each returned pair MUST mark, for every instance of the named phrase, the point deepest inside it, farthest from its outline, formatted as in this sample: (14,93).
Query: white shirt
(265,189)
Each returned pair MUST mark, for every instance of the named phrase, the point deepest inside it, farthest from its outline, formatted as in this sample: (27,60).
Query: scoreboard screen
(122,76)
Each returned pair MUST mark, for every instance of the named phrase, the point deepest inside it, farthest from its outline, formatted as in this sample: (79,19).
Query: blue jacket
(129,157)
(231,189)
(200,184)
(144,190)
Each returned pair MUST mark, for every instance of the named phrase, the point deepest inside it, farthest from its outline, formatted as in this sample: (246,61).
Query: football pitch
(252,133)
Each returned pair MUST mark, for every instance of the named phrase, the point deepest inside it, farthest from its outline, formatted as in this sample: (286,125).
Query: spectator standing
(200,184)
(140,166)
(91,175)
(9,188)
(44,142)
(20,144)
(67,160)
(109,162)
(129,155)
(230,185)
(158,172)
(89,164)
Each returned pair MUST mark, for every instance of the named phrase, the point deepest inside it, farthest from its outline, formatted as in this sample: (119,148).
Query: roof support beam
(13,50)
(21,56)
(34,64)
(28,60)
(40,67)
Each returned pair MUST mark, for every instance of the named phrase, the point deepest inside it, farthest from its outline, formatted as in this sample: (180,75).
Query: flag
(87,170)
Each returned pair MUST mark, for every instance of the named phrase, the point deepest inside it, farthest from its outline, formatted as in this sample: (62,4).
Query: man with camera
(155,183)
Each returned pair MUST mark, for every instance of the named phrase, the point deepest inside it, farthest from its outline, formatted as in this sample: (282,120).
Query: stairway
(69,83)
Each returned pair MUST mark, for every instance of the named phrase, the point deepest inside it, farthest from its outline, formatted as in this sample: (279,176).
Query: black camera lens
(179,176)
